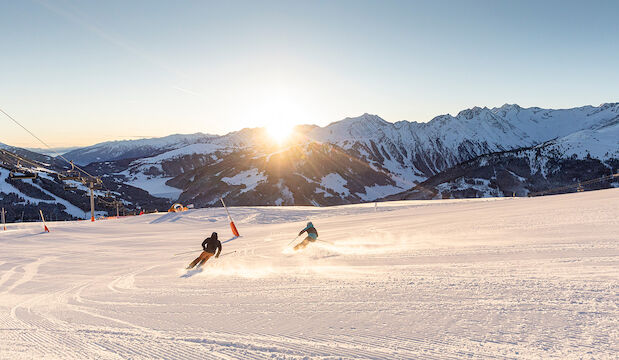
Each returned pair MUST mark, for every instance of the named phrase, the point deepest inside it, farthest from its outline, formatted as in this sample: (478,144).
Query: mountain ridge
(361,126)
(479,152)
(408,152)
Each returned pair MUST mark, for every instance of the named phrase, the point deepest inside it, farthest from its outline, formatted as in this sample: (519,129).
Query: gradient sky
(80,72)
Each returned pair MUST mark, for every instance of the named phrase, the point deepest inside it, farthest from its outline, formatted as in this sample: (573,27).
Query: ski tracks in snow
(450,281)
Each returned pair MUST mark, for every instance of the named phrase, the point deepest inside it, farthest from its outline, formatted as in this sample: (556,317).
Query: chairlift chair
(68,176)
(106,203)
(108,197)
(22,175)
(5,165)
(71,174)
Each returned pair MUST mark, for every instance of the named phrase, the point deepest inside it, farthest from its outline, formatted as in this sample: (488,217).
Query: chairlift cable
(73,166)
(19,158)
(45,144)
(93,180)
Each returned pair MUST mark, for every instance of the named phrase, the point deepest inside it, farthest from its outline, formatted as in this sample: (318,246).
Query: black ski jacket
(212,245)
(311,231)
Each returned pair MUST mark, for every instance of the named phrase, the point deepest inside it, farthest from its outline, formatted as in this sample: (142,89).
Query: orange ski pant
(201,259)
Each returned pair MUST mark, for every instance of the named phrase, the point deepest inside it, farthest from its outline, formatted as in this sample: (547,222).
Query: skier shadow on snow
(231,239)
(326,256)
(166,218)
(191,273)
(174,217)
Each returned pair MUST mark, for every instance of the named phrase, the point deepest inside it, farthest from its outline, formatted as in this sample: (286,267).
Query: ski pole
(293,240)
(228,253)
(186,252)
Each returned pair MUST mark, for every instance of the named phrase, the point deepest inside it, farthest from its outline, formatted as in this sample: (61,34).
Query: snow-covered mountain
(27,153)
(548,167)
(416,151)
(478,152)
(23,197)
(131,149)
(53,151)
(363,158)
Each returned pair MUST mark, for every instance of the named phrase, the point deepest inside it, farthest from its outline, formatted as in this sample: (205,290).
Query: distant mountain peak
(606,106)
(364,118)
(507,106)
(472,112)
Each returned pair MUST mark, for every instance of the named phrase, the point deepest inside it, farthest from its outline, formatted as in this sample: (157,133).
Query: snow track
(510,279)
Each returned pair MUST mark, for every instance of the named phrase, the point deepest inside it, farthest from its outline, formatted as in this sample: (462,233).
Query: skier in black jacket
(211,246)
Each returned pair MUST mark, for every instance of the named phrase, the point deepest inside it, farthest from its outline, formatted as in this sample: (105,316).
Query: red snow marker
(43,219)
(232,226)
(234,230)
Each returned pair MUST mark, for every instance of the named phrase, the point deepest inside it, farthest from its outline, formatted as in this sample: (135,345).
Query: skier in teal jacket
(312,235)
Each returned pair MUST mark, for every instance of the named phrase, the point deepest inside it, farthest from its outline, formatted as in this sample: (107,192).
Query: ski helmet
(309,224)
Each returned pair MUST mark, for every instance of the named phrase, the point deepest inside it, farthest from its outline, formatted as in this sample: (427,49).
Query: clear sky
(80,72)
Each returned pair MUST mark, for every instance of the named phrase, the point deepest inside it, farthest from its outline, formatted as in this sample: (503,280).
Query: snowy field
(492,278)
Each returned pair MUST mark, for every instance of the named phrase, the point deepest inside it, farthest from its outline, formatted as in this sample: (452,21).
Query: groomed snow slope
(489,278)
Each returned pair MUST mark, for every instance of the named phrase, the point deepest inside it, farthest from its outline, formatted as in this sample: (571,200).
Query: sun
(279,132)
(278,109)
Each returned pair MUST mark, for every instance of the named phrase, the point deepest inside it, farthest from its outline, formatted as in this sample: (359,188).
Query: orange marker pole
(232,226)
(43,219)
(92,203)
